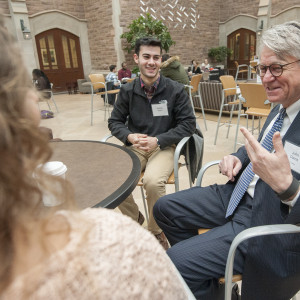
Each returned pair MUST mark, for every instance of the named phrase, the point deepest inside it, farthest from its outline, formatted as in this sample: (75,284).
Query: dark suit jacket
(272,265)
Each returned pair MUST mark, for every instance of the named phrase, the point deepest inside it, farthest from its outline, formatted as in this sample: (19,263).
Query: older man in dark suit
(263,188)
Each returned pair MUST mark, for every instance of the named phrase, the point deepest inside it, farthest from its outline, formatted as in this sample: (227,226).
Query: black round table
(102,174)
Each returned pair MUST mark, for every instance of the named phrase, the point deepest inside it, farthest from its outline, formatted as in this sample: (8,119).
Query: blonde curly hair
(22,149)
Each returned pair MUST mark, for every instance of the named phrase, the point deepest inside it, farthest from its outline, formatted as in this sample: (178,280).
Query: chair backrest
(98,81)
(228,82)
(254,94)
(195,82)
(130,79)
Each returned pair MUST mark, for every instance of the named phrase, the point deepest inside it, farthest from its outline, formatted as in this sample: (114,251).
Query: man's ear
(136,58)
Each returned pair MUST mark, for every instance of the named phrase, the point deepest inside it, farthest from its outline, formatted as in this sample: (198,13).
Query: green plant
(135,70)
(147,26)
(219,54)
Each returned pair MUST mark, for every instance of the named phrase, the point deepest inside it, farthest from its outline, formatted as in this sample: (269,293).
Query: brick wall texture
(191,43)
(4,7)
(279,5)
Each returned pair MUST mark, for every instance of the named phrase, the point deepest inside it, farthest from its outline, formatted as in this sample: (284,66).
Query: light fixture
(260,28)
(261,25)
(25,31)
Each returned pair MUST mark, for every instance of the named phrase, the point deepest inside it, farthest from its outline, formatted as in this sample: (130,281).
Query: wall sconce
(260,28)
(25,31)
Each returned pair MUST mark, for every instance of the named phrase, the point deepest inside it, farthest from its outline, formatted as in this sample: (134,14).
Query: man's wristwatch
(291,191)
(158,143)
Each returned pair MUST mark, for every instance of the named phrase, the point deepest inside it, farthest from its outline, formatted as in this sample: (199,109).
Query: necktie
(247,176)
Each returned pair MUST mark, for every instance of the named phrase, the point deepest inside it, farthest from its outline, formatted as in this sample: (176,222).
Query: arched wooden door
(60,58)
(243,44)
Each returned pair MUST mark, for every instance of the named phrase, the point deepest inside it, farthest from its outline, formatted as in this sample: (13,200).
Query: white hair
(283,39)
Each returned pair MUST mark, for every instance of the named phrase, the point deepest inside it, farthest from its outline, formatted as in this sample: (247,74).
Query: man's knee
(153,182)
(160,207)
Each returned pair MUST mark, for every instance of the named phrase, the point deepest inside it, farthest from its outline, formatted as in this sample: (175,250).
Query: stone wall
(73,7)
(279,5)
(191,43)
(231,8)
(101,33)
(4,8)
(195,33)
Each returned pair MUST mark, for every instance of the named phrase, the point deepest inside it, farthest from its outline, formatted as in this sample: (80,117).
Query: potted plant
(219,54)
(147,26)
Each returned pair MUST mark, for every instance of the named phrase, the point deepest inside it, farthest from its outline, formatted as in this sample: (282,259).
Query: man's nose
(151,60)
(268,76)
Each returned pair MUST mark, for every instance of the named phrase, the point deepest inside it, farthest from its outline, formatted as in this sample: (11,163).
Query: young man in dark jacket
(159,115)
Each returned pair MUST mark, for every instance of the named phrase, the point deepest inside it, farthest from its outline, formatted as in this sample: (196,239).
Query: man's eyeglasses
(275,69)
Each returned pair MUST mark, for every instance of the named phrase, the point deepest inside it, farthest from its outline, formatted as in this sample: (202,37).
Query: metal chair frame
(229,89)
(51,98)
(194,91)
(98,82)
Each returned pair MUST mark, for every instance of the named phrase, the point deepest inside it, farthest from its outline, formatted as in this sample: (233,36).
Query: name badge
(293,153)
(160,109)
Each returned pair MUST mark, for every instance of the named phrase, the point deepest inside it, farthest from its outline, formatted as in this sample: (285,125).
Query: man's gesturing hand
(273,168)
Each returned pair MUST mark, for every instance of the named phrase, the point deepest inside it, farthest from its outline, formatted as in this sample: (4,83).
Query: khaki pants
(158,165)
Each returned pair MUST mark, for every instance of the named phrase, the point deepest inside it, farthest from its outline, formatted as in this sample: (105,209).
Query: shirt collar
(292,110)
(154,85)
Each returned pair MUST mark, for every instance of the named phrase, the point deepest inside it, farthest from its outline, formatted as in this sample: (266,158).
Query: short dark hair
(165,57)
(147,41)
(112,67)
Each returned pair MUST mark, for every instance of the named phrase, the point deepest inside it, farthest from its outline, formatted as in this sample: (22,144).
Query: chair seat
(260,112)
(233,102)
(171,179)
(109,92)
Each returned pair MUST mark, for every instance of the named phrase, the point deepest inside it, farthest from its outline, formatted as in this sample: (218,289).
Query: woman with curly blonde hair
(62,253)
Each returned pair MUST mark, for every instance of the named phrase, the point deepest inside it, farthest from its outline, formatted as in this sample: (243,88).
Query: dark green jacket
(173,69)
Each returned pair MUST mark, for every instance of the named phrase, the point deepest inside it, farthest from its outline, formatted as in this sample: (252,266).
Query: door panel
(60,58)
(243,44)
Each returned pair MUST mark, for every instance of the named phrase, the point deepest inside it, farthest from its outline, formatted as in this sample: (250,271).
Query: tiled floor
(73,123)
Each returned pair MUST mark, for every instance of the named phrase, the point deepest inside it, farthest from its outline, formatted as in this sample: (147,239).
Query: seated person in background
(62,254)
(263,189)
(172,68)
(195,68)
(124,72)
(205,66)
(111,76)
(159,114)
(41,82)
(112,83)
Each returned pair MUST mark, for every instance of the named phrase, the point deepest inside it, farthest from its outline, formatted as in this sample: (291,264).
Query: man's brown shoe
(163,240)
(141,218)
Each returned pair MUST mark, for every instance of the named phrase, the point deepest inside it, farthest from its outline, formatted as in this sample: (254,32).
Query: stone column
(18,11)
